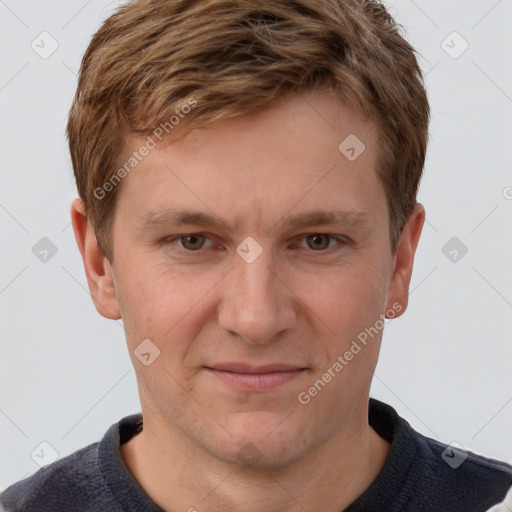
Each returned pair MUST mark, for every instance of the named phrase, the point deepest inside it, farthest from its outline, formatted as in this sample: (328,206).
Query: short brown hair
(237,56)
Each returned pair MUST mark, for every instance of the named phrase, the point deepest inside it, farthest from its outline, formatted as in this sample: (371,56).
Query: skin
(303,301)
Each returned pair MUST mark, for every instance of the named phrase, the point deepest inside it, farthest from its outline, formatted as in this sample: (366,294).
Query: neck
(179,475)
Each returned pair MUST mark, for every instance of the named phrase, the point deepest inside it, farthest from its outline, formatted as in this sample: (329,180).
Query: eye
(321,241)
(195,242)
(192,242)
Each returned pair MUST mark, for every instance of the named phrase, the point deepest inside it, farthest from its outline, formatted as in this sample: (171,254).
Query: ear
(97,268)
(398,290)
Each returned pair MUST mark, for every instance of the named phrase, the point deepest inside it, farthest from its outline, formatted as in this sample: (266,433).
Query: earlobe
(398,291)
(98,270)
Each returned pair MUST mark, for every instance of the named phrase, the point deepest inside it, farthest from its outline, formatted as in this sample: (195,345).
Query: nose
(256,304)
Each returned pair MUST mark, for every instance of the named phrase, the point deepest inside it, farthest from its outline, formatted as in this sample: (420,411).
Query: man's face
(221,313)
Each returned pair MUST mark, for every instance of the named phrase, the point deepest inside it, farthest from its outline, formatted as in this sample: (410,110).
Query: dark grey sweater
(420,475)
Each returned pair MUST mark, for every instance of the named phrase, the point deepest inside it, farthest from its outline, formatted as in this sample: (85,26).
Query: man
(247,174)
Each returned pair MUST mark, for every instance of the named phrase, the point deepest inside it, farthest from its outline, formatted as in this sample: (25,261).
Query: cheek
(347,300)
(144,295)
(158,301)
(168,303)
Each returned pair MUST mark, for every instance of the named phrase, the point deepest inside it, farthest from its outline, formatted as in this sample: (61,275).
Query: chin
(263,441)
(260,456)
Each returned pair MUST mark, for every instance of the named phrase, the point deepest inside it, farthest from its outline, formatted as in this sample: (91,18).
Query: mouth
(255,378)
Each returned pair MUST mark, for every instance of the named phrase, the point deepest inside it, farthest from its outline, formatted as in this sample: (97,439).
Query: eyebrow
(171,217)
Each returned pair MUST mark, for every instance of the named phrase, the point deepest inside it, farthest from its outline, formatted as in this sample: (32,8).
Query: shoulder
(456,457)
(456,466)
(57,486)
(422,474)
(448,477)
(85,480)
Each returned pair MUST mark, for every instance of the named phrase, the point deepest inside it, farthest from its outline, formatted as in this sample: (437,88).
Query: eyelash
(342,241)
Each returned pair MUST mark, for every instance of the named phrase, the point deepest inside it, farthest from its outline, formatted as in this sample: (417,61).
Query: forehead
(304,150)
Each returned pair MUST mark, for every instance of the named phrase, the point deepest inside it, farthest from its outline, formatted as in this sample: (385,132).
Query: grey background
(445,366)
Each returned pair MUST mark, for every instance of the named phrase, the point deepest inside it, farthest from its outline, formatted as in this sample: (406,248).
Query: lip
(256,378)
(247,368)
